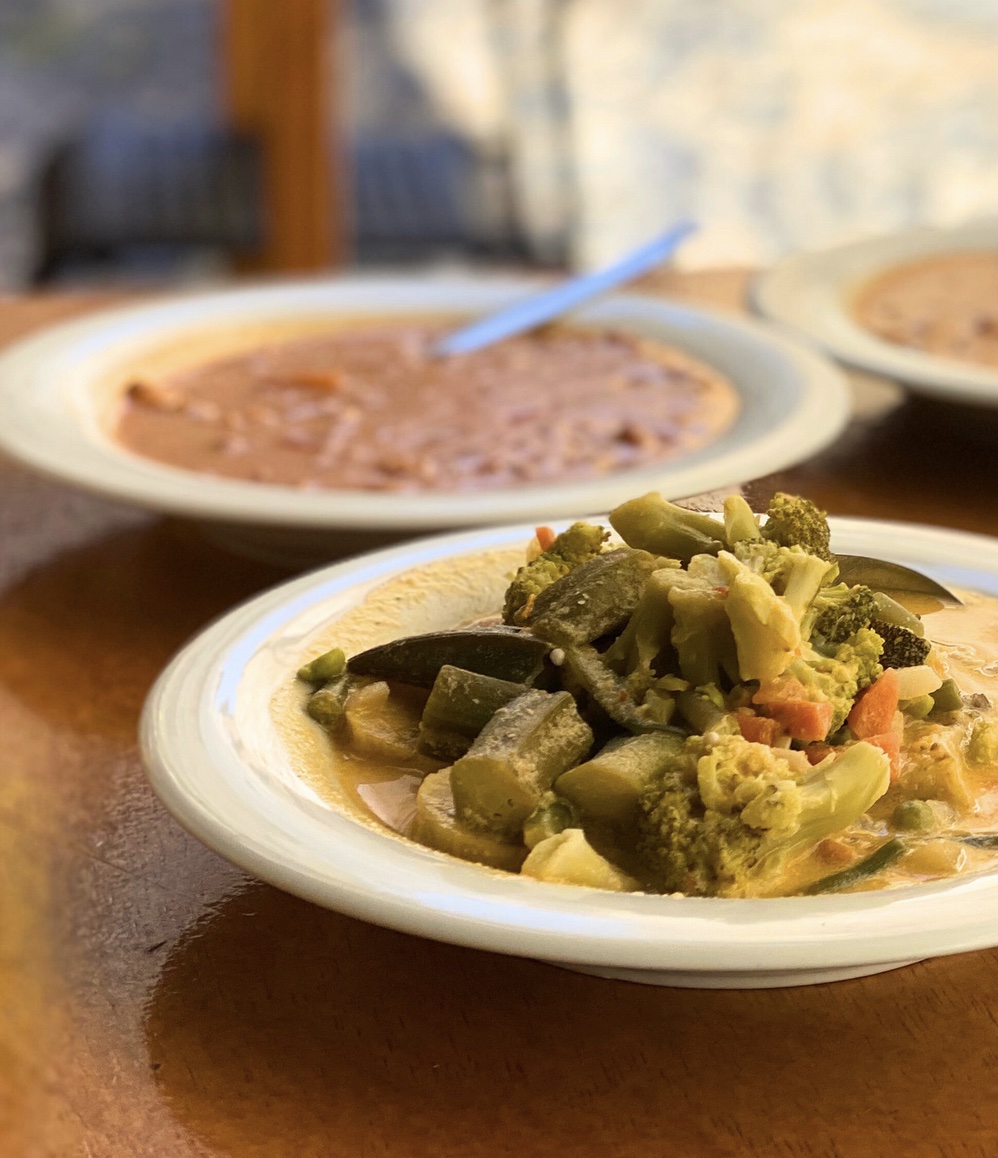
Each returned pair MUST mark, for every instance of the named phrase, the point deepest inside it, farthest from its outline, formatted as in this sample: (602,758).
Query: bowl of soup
(916,306)
(293,413)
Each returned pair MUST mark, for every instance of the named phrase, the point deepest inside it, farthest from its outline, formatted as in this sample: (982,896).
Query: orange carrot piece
(873,712)
(804,720)
(758,729)
(889,742)
(545,537)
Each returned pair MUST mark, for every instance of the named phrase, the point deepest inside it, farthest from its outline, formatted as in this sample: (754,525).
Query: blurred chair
(137,198)
(258,189)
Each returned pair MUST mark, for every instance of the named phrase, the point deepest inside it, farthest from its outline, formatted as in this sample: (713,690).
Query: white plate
(55,385)
(227,772)
(810,294)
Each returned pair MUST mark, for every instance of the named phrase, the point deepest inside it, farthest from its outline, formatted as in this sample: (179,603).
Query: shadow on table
(279,1028)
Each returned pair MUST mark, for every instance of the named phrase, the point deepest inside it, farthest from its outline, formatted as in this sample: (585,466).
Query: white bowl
(810,295)
(238,774)
(55,387)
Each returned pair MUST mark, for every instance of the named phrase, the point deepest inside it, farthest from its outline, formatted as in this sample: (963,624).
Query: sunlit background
(171,140)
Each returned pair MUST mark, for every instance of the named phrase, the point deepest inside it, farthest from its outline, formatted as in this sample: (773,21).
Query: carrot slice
(758,729)
(889,742)
(804,720)
(873,712)
(545,537)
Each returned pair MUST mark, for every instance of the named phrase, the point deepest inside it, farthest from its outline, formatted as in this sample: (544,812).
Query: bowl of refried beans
(297,410)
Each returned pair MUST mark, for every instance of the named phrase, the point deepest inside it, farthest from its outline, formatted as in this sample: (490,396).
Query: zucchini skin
(505,653)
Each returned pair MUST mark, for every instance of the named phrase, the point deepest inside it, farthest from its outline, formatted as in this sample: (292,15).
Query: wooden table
(156,1001)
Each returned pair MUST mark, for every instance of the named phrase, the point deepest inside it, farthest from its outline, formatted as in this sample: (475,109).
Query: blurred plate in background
(811,295)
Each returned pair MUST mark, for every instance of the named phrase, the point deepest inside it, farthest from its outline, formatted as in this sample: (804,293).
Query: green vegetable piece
(551,816)
(740,524)
(869,866)
(700,709)
(608,786)
(766,630)
(914,816)
(516,758)
(702,634)
(840,611)
(459,705)
(580,542)
(919,707)
(585,669)
(324,667)
(649,629)
(593,599)
(436,826)
(793,521)
(890,611)
(326,706)
(902,648)
(652,524)
(726,815)
(947,697)
(983,840)
(506,653)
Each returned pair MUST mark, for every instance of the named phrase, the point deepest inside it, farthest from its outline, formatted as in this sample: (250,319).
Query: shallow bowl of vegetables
(655,745)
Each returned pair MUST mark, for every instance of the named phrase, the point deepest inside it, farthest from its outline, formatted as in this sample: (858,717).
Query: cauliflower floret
(725,813)
(753,780)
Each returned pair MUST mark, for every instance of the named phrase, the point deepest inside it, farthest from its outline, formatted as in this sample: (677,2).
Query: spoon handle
(541,307)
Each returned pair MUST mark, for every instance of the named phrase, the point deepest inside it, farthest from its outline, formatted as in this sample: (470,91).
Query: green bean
(324,667)
(876,862)
(327,705)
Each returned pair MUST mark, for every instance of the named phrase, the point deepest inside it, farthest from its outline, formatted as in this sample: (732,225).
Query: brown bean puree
(945,305)
(369,408)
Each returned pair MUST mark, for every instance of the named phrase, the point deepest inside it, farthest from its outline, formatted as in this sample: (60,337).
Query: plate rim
(522,917)
(805,294)
(42,430)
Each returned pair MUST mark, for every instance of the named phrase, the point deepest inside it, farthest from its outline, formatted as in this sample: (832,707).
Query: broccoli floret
(795,522)
(726,814)
(580,542)
(838,678)
(791,571)
(902,648)
(840,611)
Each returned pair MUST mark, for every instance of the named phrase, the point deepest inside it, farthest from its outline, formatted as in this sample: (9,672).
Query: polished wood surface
(157,1001)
